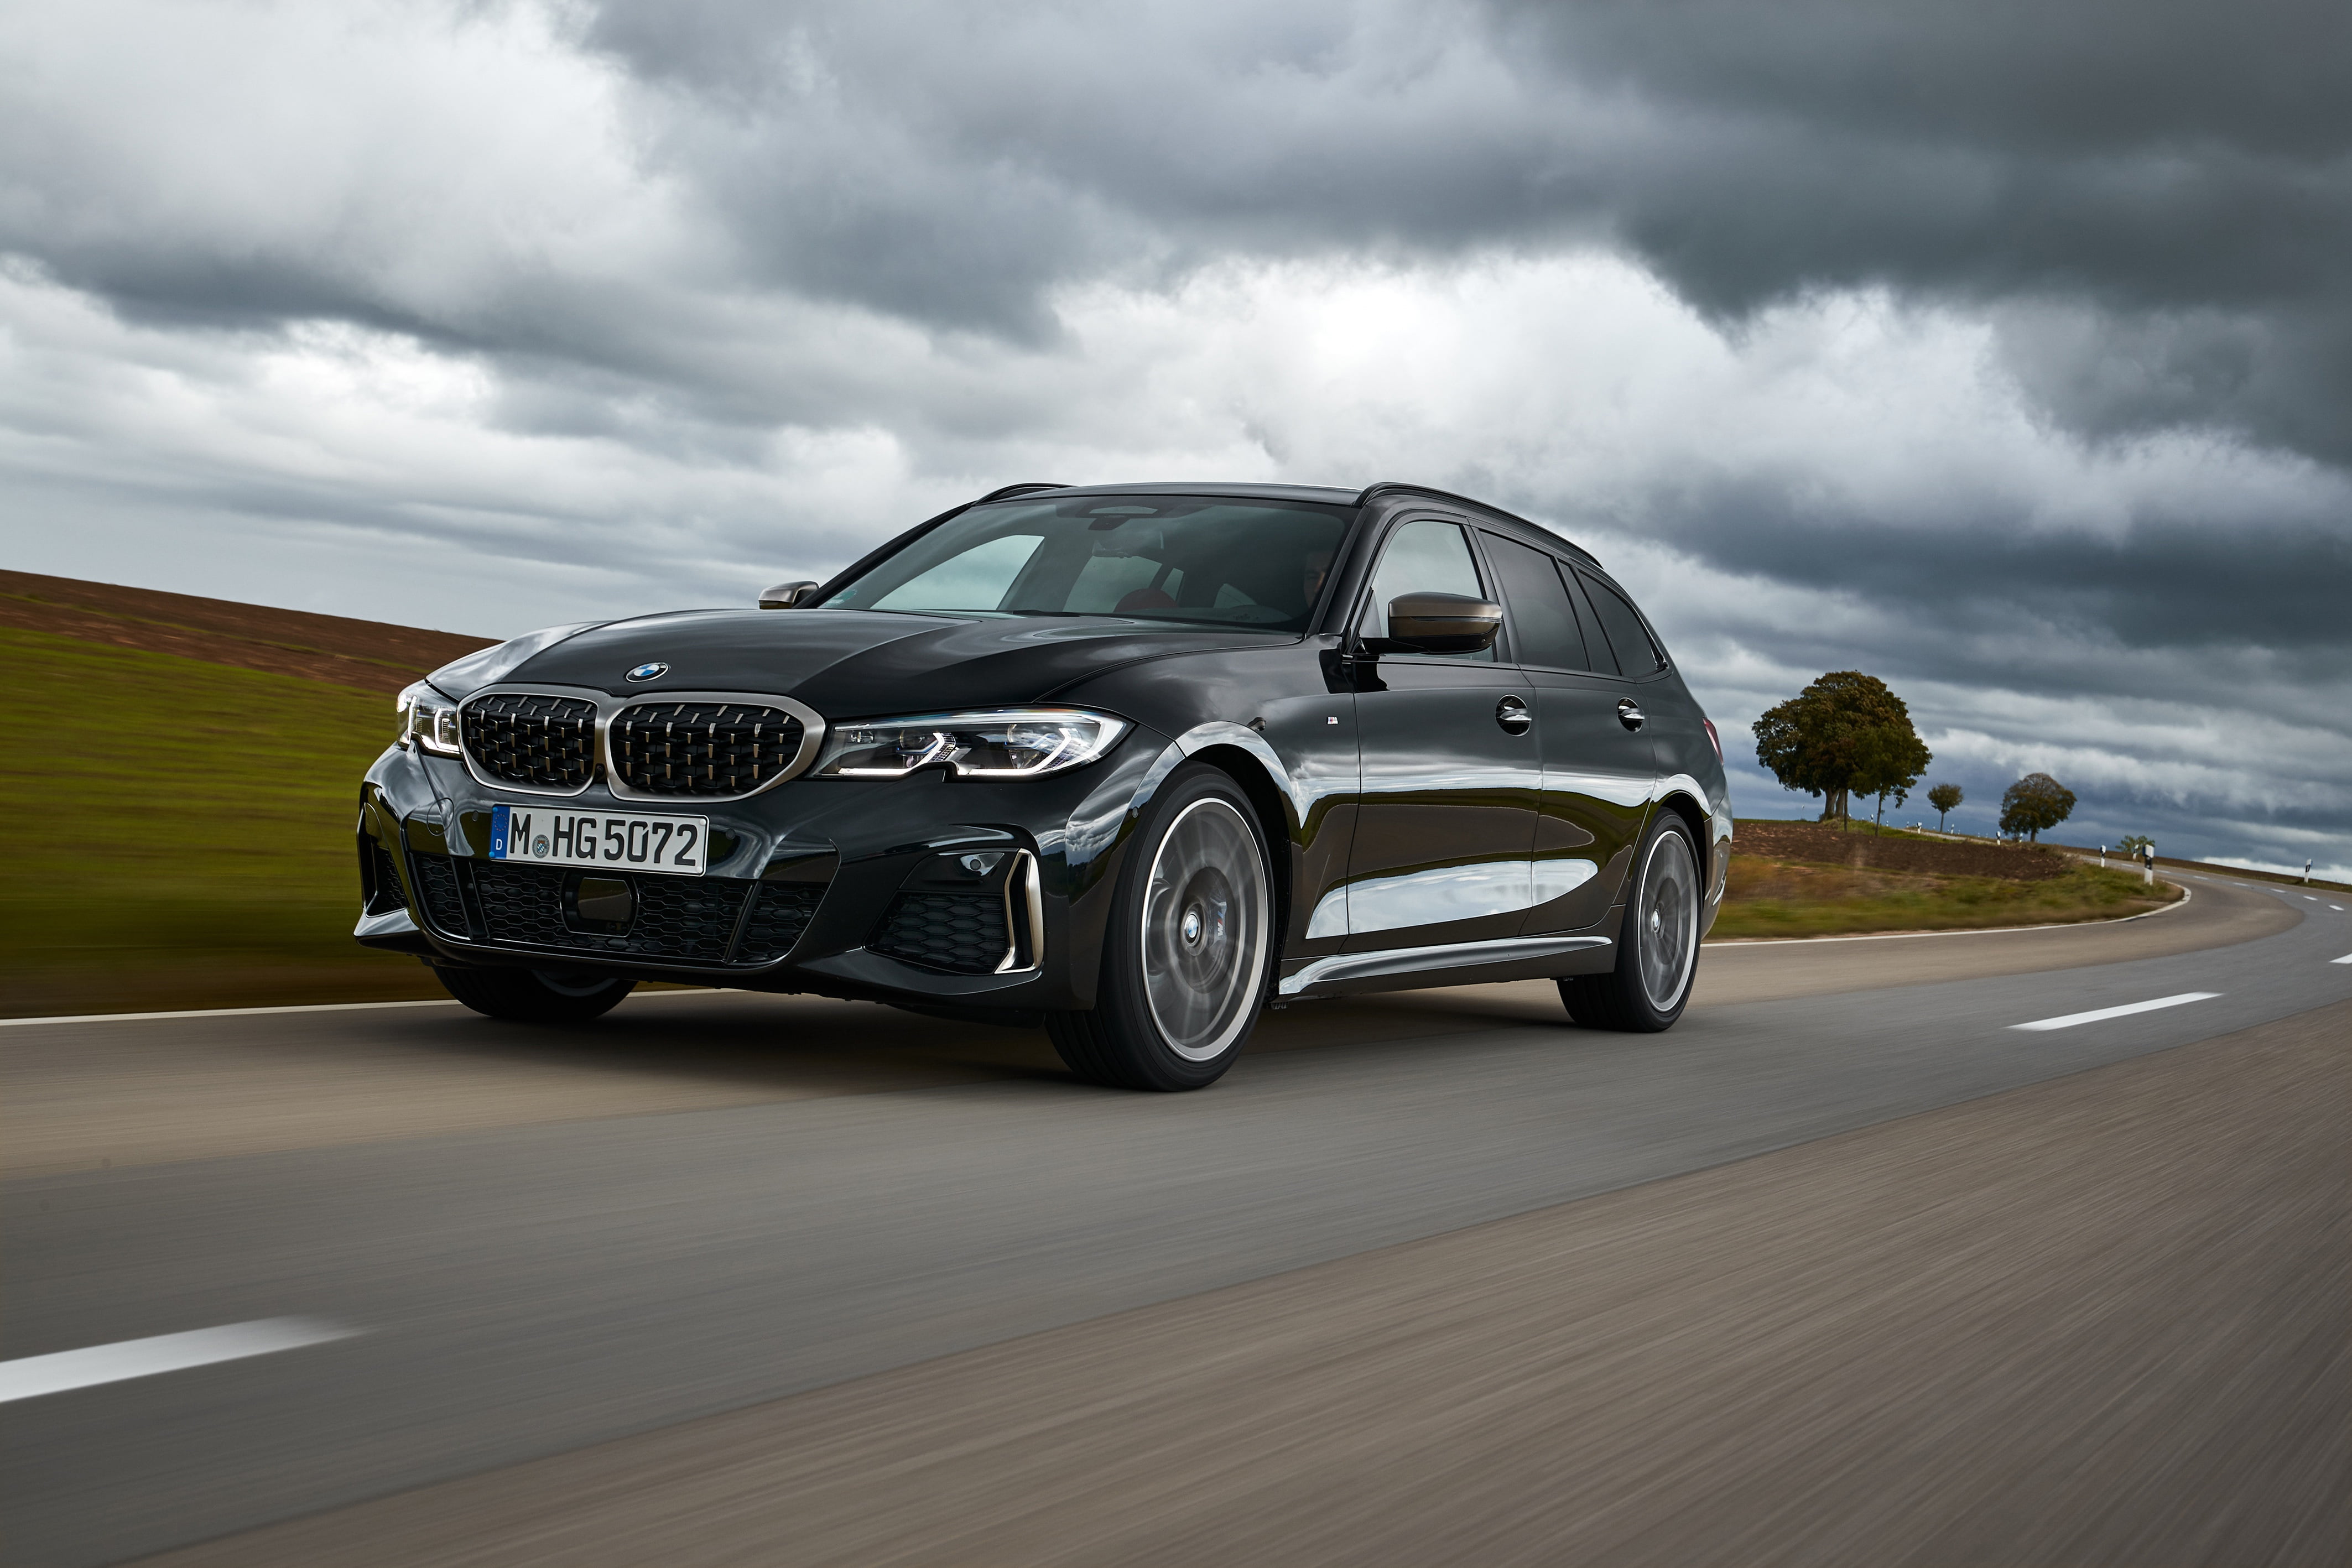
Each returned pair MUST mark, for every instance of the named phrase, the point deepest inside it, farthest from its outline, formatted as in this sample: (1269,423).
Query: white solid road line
(221,1013)
(2346,959)
(306,1008)
(30,1375)
(2071,1020)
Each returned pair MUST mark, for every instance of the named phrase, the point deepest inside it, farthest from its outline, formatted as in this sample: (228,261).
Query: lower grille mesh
(777,920)
(963,933)
(677,917)
(689,920)
(436,882)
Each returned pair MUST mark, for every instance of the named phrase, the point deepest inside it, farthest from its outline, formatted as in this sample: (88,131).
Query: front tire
(1189,951)
(1657,947)
(534,996)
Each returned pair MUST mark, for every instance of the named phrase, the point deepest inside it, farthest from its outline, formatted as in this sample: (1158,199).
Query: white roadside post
(2147,859)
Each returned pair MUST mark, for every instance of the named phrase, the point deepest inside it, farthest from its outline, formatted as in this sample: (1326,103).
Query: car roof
(1325,494)
(1328,494)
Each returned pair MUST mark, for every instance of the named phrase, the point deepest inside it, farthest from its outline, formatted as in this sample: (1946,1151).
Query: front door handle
(1629,713)
(1513,716)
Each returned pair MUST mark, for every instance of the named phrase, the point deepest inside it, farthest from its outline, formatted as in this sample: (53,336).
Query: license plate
(625,841)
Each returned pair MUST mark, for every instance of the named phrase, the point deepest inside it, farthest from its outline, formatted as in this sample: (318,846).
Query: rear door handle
(1513,716)
(1629,713)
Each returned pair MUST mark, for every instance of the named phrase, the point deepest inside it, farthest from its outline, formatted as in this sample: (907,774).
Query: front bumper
(958,892)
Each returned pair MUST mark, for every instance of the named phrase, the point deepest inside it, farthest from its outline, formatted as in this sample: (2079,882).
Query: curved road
(1846,1266)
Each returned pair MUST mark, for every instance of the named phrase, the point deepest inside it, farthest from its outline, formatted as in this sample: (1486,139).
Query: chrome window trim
(608,708)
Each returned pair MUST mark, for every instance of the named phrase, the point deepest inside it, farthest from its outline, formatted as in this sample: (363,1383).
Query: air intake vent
(437,882)
(702,750)
(963,933)
(535,742)
(383,893)
(777,920)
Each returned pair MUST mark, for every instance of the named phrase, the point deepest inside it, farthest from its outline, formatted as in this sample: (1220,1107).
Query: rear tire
(1657,949)
(1190,946)
(535,996)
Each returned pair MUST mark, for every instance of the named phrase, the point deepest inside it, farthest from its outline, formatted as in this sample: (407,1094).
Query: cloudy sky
(2003,350)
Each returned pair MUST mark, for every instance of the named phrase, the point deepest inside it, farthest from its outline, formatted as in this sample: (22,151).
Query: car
(1133,762)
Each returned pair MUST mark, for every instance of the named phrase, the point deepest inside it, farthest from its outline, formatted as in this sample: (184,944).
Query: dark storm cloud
(2169,184)
(2171,582)
(2157,198)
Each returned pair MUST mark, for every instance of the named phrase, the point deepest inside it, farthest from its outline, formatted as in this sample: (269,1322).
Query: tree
(1843,735)
(1946,799)
(2034,802)
(2133,844)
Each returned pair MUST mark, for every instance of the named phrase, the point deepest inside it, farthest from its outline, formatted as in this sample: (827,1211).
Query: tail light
(1713,739)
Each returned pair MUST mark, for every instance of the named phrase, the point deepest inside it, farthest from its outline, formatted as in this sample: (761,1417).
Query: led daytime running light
(428,719)
(1003,743)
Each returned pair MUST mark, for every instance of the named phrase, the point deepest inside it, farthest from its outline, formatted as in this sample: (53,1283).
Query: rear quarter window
(1637,653)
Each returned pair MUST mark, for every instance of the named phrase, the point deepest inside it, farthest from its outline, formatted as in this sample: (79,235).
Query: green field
(1788,898)
(184,835)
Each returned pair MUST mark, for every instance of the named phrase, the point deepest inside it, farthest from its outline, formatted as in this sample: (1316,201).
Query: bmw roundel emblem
(649,671)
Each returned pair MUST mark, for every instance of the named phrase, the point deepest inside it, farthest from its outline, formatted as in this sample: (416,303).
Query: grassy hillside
(1808,883)
(182,834)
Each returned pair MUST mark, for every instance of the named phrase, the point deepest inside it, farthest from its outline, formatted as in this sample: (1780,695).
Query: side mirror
(787,595)
(1438,624)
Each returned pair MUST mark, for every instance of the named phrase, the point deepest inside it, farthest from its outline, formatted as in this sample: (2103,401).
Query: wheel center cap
(1657,923)
(1192,926)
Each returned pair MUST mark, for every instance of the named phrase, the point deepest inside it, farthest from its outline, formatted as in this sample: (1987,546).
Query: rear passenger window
(1636,654)
(1544,629)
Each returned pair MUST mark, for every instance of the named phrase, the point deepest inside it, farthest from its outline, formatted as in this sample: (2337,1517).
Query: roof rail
(1406,487)
(1013,490)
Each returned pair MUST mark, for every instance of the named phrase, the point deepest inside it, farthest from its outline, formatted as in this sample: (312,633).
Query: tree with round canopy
(2034,803)
(1844,735)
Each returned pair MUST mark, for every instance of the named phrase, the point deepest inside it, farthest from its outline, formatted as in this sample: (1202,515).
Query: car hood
(858,664)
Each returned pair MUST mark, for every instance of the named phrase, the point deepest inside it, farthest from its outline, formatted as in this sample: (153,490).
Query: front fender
(1094,844)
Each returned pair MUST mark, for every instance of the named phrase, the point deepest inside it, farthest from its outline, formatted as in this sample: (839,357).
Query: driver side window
(1425,557)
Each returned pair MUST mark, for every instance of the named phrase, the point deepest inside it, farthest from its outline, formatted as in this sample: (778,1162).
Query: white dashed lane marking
(61,1371)
(2071,1020)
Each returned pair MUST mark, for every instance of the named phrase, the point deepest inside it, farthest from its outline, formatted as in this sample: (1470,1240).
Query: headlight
(1001,743)
(429,719)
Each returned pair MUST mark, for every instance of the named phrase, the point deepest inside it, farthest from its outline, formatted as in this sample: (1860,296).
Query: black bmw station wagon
(1132,761)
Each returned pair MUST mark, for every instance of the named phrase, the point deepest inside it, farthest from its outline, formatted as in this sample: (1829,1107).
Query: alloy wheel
(1205,929)
(1668,914)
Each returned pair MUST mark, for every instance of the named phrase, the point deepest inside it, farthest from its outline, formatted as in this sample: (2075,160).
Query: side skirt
(1460,964)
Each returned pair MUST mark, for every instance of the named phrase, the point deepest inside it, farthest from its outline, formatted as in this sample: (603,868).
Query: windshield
(1200,560)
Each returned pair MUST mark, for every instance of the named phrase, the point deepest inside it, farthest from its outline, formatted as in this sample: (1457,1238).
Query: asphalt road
(545,1250)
